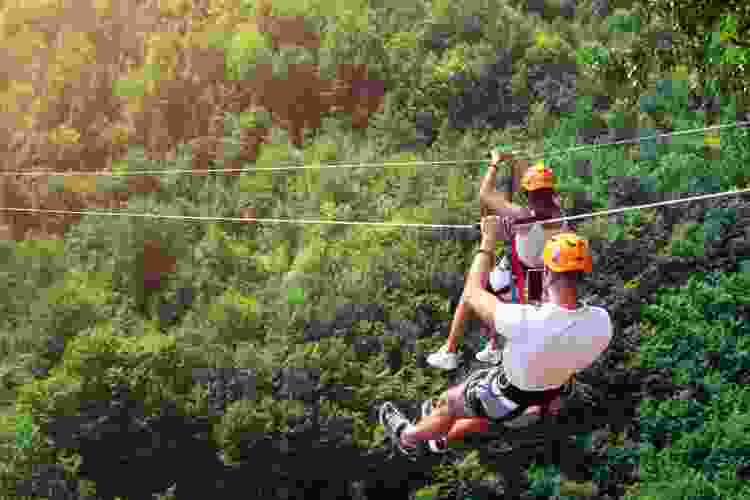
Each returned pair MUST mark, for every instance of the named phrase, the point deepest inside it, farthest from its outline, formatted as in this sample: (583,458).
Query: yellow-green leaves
(244,49)
(544,40)
(233,301)
(634,283)
(255,118)
(454,61)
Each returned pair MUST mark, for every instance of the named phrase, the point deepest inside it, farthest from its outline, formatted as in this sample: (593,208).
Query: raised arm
(499,202)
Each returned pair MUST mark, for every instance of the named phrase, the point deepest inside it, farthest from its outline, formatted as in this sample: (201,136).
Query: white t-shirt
(547,344)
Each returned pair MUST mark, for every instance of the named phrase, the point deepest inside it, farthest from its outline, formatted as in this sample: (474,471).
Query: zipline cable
(361,165)
(638,207)
(386,224)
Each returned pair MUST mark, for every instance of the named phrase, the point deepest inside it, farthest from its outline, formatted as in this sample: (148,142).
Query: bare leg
(464,312)
(435,426)
(429,428)
(464,426)
(443,423)
(457,326)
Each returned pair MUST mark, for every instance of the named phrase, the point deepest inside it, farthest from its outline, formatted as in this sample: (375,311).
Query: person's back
(545,345)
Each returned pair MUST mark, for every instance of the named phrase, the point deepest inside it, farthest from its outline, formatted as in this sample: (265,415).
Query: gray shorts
(464,400)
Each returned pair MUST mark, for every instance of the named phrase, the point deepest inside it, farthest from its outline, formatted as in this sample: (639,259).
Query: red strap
(518,273)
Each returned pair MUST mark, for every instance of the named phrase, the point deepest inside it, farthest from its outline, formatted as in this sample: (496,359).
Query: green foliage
(28,267)
(706,38)
(71,305)
(451,15)
(350,37)
(453,61)
(337,361)
(716,220)
(549,47)
(732,54)
(244,423)
(624,23)
(615,232)
(25,431)
(469,469)
(545,480)
(256,283)
(402,66)
(427,493)
(594,56)
(234,316)
(708,439)
(676,417)
(153,367)
(226,259)
(692,244)
(243,50)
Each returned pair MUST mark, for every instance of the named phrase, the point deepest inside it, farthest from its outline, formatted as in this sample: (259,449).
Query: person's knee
(442,404)
(450,403)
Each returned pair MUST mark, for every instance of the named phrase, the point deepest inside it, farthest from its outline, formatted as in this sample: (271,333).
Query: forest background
(178,352)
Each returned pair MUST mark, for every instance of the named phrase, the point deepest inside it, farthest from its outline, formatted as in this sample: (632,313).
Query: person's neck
(564,300)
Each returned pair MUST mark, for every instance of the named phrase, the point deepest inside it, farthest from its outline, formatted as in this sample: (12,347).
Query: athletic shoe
(394,423)
(490,355)
(443,359)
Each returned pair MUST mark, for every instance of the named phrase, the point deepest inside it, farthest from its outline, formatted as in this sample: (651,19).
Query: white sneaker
(443,359)
(490,355)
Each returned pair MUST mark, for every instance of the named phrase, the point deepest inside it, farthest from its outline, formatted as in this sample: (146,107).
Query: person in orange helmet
(545,346)
(508,278)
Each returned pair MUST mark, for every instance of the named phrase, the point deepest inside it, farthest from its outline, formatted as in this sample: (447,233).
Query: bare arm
(482,303)
(495,203)
(499,202)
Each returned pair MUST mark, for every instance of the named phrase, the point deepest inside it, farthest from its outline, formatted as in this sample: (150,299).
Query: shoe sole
(446,368)
(427,408)
(491,361)
(434,448)
(435,364)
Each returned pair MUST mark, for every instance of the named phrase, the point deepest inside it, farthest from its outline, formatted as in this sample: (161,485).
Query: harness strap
(524,276)
(495,377)
(517,268)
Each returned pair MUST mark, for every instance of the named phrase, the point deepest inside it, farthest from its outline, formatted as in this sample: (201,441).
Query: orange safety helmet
(538,177)
(567,252)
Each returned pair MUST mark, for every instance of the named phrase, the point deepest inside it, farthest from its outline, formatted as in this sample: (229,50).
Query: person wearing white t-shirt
(545,346)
